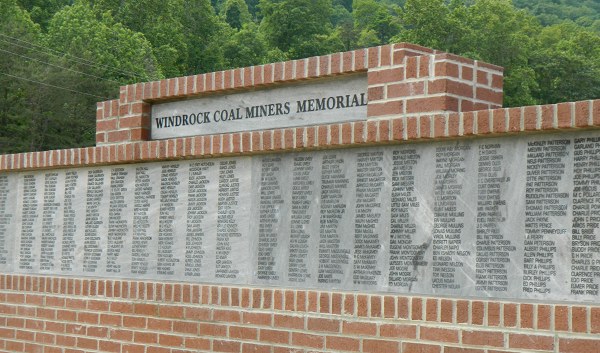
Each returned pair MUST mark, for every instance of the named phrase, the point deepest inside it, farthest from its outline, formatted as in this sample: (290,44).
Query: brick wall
(414,93)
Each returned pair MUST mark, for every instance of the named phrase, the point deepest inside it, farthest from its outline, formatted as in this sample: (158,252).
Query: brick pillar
(409,80)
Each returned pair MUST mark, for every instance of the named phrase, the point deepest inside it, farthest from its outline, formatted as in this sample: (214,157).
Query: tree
(205,35)
(375,20)
(41,11)
(567,64)
(79,31)
(161,24)
(296,27)
(235,13)
(245,47)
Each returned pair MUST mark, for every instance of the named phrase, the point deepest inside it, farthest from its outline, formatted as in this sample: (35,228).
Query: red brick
(322,135)
(477,312)
(528,341)
(227,315)
(596,112)
(372,131)
(246,333)
(175,312)
(197,343)
(543,317)
(446,310)
(387,108)
(431,104)
(313,298)
(289,297)
(402,308)
(376,306)
(420,348)
(87,343)
(274,336)
(564,113)
(134,321)
(463,350)
(170,340)
(301,301)
(582,113)
(160,324)
(359,328)
(226,346)
(203,314)
(579,319)
(547,116)
(510,315)
(483,122)
(323,325)
(446,69)
(132,348)
(575,345)
(336,303)
(145,337)
(385,76)
(256,318)
(380,346)
(439,334)
(561,318)
(89,318)
(431,312)
(493,311)
(375,93)
(405,89)
(489,95)
(362,305)
(348,304)
(530,117)
(255,348)
(310,136)
(308,340)
(185,327)
(145,309)
(288,321)
(514,119)
(342,343)
(398,331)
(595,319)
(483,338)
(100,332)
(210,329)
(110,346)
(417,309)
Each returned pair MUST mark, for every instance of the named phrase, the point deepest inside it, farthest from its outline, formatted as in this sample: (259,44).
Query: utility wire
(60,67)
(57,53)
(53,86)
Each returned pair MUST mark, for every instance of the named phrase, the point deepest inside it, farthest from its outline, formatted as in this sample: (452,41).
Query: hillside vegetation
(59,57)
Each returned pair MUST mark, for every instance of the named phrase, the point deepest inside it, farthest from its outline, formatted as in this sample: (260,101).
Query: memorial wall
(377,201)
(514,217)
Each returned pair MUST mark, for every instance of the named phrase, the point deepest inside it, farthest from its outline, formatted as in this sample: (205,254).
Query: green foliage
(376,21)
(41,11)
(296,27)
(82,32)
(550,49)
(550,12)
(567,64)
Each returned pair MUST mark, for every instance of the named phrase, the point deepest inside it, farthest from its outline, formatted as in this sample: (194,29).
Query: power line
(53,86)
(71,57)
(60,67)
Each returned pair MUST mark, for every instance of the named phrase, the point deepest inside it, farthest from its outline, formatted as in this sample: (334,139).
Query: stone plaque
(335,100)
(509,217)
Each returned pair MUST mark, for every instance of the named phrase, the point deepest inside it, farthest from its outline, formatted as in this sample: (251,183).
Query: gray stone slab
(514,217)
